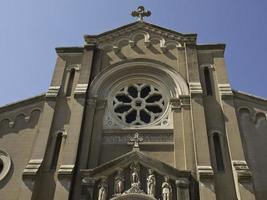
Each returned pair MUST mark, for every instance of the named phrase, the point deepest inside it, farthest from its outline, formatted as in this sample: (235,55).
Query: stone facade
(196,137)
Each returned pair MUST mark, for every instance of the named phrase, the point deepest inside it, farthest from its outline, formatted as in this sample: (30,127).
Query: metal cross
(136,140)
(141,13)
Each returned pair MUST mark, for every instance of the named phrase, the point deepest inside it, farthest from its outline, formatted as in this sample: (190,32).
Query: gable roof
(188,37)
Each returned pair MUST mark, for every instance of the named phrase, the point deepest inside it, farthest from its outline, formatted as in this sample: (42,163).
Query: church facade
(138,112)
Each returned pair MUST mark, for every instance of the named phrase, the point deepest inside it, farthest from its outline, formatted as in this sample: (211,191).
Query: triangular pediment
(135,176)
(126,160)
(130,32)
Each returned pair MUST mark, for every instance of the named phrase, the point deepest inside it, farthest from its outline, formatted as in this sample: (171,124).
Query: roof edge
(76,49)
(216,46)
(249,97)
(87,36)
(22,102)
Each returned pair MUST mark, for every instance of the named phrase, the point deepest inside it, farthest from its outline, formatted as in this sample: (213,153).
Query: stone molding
(242,170)
(195,89)
(65,170)
(205,172)
(32,167)
(75,67)
(225,91)
(80,89)
(52,92)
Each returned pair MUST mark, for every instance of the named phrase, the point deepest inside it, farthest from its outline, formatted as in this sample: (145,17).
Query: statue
(135,175)
(151,183)
(166,189)
(119,183)
(102,191)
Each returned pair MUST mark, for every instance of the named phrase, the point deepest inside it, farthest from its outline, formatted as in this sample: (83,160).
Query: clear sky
(31,29)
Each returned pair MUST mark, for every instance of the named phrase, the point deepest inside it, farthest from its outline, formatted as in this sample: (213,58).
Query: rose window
(138,104)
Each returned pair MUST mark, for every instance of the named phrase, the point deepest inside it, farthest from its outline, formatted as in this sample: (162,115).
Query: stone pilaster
(182,187)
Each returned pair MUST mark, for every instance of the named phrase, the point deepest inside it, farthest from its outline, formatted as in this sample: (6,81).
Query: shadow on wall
(254,135)
(21,122)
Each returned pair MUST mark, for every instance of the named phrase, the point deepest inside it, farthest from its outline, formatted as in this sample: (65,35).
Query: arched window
(208,83)
(70,82)
(57,148)
(218,152)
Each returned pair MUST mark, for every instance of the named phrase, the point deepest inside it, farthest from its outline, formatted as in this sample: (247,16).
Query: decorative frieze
(123,139)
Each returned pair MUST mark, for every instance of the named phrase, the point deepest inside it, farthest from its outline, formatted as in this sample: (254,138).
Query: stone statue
(102,191)
(119,183)
(151,183)
(135,175)
(166,189)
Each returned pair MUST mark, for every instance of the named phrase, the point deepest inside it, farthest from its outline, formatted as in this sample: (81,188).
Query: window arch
(141,87)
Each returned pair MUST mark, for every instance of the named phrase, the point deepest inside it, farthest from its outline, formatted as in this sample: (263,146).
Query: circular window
(5,164)
(138,103)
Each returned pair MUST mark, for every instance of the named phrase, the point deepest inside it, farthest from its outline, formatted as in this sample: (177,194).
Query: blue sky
(31,29)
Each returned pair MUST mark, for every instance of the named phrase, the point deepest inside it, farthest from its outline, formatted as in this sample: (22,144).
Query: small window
(57,150)
(208,84)
(70,82)
(218,152)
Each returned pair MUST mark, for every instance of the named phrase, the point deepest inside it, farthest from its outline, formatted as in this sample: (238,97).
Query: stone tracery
(138,104)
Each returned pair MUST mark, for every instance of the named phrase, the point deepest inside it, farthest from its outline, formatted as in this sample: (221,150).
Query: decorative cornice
(63,50)
(242,170)
(80,89)
(32,168)
(205,172)
(65,170)
(220,47)
(53,92)
(195,88)
(225,91)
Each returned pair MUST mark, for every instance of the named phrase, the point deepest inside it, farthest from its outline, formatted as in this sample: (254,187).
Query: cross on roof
(141,13)
(136,140)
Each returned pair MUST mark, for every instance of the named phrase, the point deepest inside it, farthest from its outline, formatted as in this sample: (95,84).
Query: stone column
(182,187)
